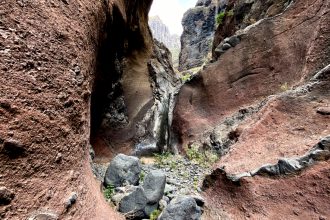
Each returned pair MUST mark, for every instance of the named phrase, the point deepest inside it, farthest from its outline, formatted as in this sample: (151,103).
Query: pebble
(71,200)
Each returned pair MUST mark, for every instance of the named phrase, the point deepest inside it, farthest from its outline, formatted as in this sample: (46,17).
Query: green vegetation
(142,175)
(284,87)
(109,191)
(230,13)
(196,182)
(167,160)
(185,77)
(219,17)
(162,159)
(206,158)
(154,215)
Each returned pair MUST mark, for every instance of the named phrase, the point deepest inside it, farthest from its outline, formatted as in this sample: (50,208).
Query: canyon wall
(263,103)
(69,71)
(161,32)
(198,29)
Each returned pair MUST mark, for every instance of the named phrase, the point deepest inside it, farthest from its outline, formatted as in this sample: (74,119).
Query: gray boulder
(134,202)
(181,208)
(154,185)
(226,46)
(233,40)
(123,169)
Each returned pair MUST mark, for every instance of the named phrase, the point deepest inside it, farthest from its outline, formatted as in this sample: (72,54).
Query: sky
(171,12)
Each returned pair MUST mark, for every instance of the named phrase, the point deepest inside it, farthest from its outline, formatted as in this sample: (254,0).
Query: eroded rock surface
(55,56)
(262,104)
(198,29)
(272,56)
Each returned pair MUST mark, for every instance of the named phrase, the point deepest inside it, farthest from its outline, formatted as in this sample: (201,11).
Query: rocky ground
(183,178)
(81,73)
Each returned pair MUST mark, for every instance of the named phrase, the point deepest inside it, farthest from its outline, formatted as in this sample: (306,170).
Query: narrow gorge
(104,114)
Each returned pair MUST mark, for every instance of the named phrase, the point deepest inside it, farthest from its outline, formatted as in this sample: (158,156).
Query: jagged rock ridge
(198,29)
(161,32)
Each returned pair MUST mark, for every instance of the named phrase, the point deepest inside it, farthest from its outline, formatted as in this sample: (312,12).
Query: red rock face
(273,55)
(303,196)
(273,63)
(48,52)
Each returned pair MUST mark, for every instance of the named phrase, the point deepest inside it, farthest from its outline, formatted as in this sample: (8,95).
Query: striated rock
(181,208)
(140,123)
(123,169)
(161,32)
(198,29)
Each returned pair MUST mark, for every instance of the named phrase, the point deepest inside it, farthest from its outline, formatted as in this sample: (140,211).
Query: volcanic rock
(181,208)
(154,185)
(123,169)
(198,29)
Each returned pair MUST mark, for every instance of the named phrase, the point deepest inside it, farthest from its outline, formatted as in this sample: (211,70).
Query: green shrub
(219,17)
(109,191)
(141,176)
(154,215)
(205,158)
(163,159)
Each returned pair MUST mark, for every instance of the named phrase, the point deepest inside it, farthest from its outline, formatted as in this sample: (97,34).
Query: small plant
(109,191)
(154,215)
(205,158)
(193,153)
(173,165)
(141,176)
(163,159)
(230,13)
(185,77)
(284,87)
(219,17)
(196,182)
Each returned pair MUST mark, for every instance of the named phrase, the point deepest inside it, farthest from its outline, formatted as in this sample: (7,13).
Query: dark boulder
(123,169)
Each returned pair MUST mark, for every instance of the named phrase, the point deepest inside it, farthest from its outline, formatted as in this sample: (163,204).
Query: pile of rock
(137,199)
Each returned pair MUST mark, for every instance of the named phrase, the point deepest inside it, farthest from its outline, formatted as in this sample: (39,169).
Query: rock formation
(258,104)
(198,29)
(138,105)
(82,82)
(68,70)
(161,32)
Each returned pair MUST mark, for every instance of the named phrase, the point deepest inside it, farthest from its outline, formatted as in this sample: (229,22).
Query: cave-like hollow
(107,73)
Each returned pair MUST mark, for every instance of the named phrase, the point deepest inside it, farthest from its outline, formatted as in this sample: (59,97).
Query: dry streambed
(163,186)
